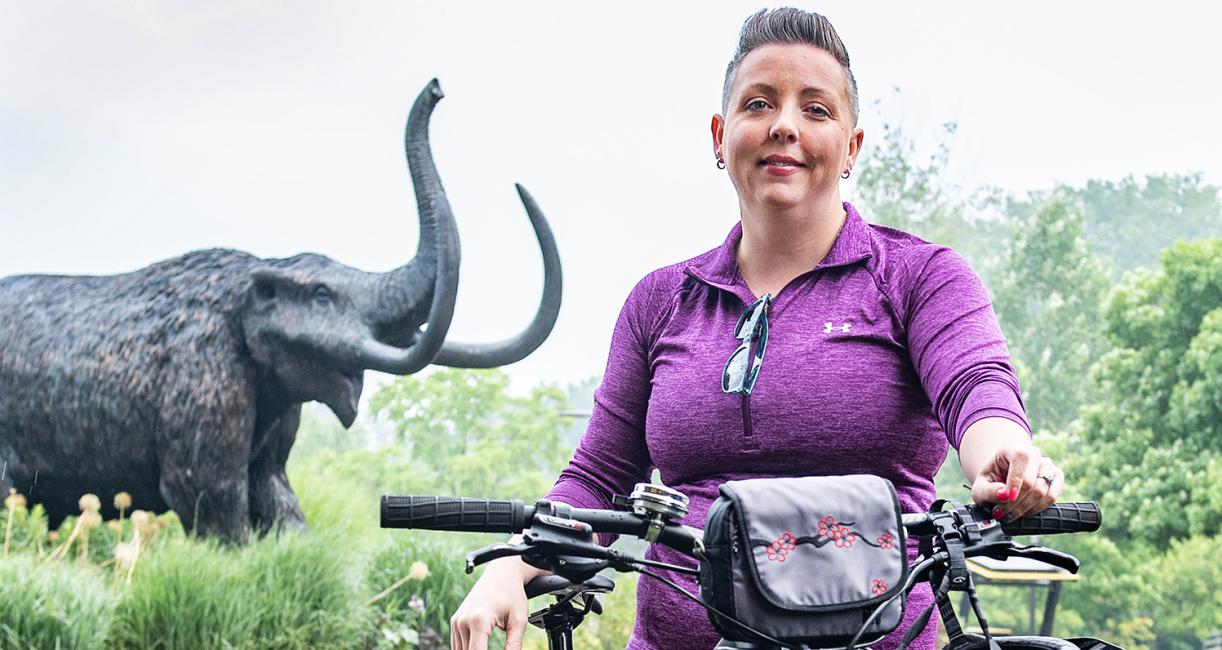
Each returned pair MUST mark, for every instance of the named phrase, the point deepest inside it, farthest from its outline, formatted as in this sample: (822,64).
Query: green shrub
(101,545)
(27,529)
(335,504)
(295,591)
(438,594)
(52,605)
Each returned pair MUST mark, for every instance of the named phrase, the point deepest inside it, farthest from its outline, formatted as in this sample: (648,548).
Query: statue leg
(204,480)
(272,502)
(8,463)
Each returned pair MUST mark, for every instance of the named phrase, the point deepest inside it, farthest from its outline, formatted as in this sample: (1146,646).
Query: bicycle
(560,539)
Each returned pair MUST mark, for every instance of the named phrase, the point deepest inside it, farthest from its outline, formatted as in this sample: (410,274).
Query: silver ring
(1048,478)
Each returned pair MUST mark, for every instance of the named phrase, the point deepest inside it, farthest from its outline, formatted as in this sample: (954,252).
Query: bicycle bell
(659,504)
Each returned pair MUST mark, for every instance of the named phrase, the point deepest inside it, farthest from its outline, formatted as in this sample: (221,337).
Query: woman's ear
(718,128)
(855,140)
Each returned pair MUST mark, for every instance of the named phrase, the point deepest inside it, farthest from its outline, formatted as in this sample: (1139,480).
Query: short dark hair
(790,26)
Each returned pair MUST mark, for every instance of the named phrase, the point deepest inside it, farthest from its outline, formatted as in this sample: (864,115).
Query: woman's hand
(1019,480)
(497,599)
(1006,470)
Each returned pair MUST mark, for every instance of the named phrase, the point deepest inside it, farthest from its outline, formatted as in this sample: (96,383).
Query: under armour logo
(828,328)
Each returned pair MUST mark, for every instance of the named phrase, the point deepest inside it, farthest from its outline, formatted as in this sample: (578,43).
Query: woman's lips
(781,165)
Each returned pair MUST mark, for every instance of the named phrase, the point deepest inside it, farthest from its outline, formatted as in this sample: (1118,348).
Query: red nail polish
(1003,494)
(998,514)
(1013,494)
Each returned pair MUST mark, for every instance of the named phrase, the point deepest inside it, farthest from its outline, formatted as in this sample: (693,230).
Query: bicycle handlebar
(512,516)
(455,513)
(1068,517)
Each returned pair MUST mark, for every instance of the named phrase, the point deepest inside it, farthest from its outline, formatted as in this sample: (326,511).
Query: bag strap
(954,576)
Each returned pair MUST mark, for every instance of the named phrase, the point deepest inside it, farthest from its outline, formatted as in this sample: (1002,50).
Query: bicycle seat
(562,616)
(559,586)
(1033,643)
(1090,643)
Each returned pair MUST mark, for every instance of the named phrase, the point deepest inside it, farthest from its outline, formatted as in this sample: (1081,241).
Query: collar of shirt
(719,267)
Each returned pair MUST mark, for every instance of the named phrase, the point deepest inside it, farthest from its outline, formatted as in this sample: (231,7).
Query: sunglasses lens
(750,319)
(736,371)
(745,323)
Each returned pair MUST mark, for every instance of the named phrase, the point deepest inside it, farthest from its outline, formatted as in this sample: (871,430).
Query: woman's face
(788,132)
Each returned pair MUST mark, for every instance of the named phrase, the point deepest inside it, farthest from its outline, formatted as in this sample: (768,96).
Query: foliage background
(1110,294)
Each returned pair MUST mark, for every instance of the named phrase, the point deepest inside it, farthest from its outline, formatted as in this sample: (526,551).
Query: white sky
(135,131)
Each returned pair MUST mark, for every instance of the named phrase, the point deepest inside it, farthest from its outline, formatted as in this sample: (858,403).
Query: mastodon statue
(182,383)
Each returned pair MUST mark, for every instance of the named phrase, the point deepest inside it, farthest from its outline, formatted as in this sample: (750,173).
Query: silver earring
(846,173)
(721,164)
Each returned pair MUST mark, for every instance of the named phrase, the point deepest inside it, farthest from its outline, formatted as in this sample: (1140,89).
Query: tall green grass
(188,595)
(52,605)
(307,589)
(292,591)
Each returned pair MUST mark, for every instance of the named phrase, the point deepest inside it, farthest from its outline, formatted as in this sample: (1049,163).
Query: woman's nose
(783,127)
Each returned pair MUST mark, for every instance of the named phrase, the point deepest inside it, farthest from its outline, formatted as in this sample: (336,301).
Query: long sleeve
(958,348)
(612,455)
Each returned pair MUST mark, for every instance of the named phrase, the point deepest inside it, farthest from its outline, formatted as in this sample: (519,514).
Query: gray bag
(805,560)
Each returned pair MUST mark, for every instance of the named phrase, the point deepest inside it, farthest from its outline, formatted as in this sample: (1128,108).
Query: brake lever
(1048,556)
(492,552)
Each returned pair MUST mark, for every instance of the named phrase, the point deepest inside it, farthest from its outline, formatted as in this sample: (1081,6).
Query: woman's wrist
(514,565)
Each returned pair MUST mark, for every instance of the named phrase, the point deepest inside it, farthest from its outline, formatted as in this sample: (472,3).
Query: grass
(291,592)
(52,604)
(188,597)
(294,591)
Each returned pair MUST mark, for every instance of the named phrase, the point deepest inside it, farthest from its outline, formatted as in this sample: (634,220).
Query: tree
(580,398)
(1152,444)
(473,435)
(1130,221)
(893,187)
(1048,299)
(896,190)
(1187,581)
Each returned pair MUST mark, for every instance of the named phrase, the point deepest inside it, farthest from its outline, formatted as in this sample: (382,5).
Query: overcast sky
(135,131)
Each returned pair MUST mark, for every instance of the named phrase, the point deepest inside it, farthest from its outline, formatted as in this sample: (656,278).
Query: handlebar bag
(805,560)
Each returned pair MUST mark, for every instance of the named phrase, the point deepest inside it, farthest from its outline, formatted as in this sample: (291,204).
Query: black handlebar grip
(453,513)
(1070,517)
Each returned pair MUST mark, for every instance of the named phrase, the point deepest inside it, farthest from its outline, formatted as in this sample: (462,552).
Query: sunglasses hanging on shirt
(743,366)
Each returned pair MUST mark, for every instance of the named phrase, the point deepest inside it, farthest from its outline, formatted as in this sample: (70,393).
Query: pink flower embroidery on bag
(781,546)
(886,541)
(834,531)
(879,587)
(776,552)
(844,538)
(826,525)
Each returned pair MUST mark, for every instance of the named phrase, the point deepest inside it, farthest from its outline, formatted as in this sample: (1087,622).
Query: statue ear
(267,284)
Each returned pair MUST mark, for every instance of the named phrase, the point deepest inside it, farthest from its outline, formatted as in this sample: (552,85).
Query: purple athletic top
(877,358)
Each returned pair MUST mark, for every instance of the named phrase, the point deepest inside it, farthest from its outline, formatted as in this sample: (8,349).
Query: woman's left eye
(818,111)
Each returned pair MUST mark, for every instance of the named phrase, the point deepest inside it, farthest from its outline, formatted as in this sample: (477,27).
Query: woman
(881,349)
